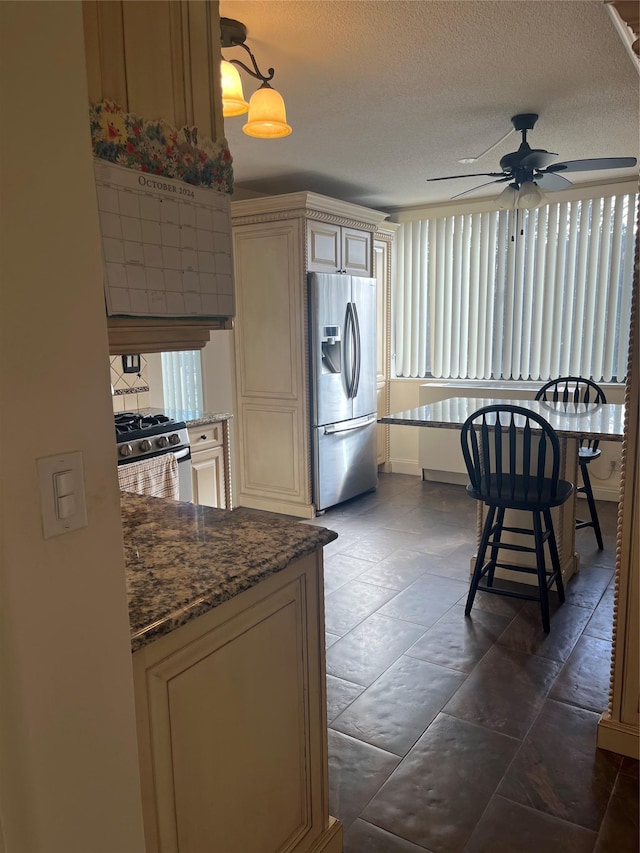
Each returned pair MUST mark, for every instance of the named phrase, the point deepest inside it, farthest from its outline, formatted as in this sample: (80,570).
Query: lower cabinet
(210,465)
(207,471)
(231,713)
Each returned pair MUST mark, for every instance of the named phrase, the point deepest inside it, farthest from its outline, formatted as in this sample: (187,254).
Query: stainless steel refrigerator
(342,316)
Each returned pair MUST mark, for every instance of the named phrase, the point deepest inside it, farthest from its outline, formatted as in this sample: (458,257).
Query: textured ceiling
(382,95)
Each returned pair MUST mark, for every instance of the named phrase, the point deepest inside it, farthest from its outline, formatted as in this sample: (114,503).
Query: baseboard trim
(618,737)
(271,505)
(603,494)
(331,839)
(399,466)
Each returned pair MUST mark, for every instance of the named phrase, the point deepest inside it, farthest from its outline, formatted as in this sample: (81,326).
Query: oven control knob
(162,441)
(174,438)
(145,445)
(126,450)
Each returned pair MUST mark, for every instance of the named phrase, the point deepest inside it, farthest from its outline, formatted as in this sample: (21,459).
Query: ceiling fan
(535,165)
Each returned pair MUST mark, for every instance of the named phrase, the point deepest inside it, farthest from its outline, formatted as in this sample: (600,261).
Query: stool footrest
(530,570)
(494,591)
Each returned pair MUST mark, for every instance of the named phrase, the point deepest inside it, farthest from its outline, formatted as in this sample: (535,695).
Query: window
(526,294)
(182,380)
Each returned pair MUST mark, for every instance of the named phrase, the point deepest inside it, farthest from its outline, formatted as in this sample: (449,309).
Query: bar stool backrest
(570,390)
(512,456)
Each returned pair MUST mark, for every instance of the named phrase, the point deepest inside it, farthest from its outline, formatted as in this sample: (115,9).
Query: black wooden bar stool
(513,460)
(570,390)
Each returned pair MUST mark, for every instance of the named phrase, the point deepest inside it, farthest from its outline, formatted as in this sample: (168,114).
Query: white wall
(218,372)
(68,764)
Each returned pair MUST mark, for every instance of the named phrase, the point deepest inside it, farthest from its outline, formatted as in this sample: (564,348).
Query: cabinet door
(231,711)
(334,248)
(272,417)
(207,471)
(158,59)
(380,257)
(323,247)
(356,251)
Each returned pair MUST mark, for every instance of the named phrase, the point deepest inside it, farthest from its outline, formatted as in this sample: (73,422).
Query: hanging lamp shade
(233,102)
(267,117)
(529,196)
(508,198)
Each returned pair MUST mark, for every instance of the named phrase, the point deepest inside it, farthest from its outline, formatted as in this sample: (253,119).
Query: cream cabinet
(210,465)
(232,728)
(159,59)
(383,245)
(333,248)
(271,246)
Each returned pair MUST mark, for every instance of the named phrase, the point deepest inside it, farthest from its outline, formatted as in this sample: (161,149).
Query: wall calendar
(166,245)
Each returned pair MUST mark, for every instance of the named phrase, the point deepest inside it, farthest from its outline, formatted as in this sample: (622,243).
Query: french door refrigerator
(342,316)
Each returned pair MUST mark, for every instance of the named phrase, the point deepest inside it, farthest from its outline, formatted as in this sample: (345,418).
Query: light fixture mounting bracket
(234,34)
(524,121)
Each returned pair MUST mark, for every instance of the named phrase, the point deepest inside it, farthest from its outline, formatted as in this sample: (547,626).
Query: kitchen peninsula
(227,635)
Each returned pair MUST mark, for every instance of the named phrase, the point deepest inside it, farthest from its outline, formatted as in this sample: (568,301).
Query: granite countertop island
(183,559)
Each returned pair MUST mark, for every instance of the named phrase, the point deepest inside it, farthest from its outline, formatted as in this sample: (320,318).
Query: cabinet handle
(203,438)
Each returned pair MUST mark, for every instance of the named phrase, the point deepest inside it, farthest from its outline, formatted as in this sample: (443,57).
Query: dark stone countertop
(183,559)
(191,417)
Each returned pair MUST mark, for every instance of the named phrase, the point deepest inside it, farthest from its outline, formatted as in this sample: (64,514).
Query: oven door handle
(183,454)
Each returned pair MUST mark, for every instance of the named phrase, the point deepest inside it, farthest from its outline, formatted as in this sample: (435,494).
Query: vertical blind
(182,380)
(517,294)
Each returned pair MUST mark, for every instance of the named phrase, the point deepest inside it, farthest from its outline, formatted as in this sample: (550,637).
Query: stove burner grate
(126,422)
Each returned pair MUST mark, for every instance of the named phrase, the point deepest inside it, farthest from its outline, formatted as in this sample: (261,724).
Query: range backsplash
(130,390)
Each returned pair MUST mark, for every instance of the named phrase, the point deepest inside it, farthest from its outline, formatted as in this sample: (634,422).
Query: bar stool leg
(542,575)
(495,546)
(595,523)
(555,559)
(482,549)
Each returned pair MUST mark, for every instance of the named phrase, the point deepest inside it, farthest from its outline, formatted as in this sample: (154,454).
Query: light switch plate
(54,510)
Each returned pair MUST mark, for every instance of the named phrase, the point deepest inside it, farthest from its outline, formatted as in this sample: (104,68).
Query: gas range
(145,436)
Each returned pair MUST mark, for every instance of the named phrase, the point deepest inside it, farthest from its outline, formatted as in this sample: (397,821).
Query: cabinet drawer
(205,437)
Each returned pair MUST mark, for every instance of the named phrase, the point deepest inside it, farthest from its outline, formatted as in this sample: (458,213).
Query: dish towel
(157,477)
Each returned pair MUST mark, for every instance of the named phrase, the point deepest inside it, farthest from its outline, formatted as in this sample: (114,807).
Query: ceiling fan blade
(595,163)
(551,181)
(472,175)
(499,181)
(537,160)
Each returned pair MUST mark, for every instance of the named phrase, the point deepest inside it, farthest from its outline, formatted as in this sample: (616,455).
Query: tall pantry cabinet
(383,244)
(277,241)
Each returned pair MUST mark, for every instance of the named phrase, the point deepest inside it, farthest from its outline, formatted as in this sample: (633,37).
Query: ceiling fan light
(508,198)
(267,117)
(529,196)
(233,102)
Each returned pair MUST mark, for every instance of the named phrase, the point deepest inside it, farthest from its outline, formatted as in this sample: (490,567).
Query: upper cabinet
(334,248)
(160,61)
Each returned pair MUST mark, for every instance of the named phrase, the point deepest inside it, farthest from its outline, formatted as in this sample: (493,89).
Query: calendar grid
(166,245)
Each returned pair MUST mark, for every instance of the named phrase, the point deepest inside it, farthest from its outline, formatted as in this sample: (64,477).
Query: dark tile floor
(454,735)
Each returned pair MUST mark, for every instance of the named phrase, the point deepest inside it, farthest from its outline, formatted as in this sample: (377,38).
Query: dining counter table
(571,422)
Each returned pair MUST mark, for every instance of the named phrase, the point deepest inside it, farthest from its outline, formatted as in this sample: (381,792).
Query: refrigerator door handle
(358,348)
(331,430)
(350,349)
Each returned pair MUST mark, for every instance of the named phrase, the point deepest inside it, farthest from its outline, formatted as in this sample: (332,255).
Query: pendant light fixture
(267,117)
(524,196)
